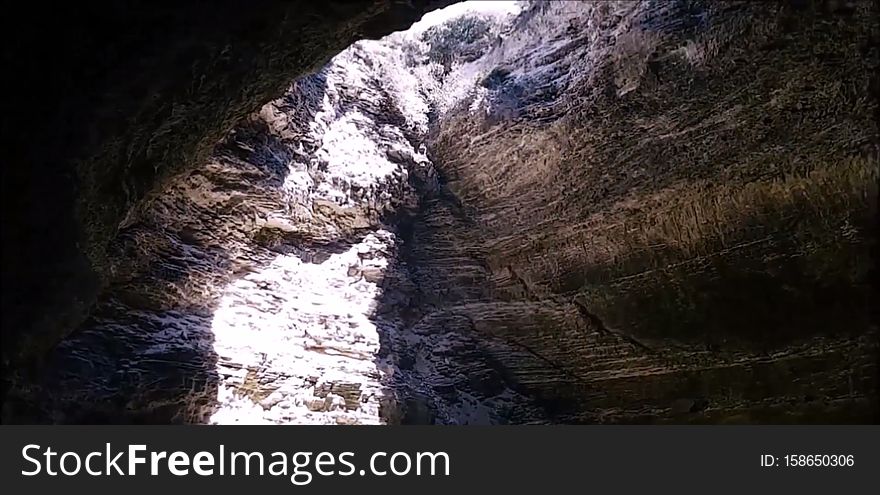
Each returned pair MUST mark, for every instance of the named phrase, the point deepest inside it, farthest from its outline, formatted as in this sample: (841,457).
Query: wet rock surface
(601,212)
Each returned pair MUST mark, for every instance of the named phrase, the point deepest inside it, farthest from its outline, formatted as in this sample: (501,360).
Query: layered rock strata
(590,212)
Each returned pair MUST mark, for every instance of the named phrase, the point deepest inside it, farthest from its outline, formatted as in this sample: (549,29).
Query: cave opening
(507,212)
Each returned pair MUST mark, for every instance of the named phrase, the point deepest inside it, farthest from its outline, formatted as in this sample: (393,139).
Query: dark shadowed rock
(590,212)
(687,193)
(108,100)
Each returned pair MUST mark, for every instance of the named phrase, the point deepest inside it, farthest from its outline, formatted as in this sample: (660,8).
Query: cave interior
(436,212)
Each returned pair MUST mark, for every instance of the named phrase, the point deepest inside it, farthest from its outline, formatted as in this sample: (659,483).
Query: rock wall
(242,292)
(672,209)
(107,101)
(590,212)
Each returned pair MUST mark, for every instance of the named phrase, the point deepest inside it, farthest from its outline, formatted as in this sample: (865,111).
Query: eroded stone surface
(662,215)
(610,212)
(112,100)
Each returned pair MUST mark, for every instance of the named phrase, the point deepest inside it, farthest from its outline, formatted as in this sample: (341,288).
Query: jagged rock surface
(672,206)
(591,212)
(242,293)
(108,101)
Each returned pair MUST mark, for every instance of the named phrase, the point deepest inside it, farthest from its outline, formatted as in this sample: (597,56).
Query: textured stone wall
(244,291)
(627,212)
(109,100)
(668,211)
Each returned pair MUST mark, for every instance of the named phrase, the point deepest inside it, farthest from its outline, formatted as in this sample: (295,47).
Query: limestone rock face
(243,293)
(668,203)
(108,101)
(557,212)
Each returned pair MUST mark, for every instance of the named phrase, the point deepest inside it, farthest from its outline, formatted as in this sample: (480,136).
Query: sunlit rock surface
(244,292)
(112,101)
(553,212)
